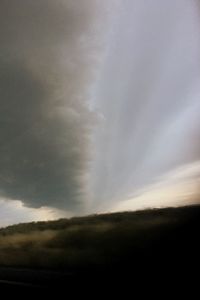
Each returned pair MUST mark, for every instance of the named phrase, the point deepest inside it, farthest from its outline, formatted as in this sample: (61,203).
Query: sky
(99,106)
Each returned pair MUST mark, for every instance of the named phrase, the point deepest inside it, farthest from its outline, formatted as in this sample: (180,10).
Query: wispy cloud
(149,97)
(178,187)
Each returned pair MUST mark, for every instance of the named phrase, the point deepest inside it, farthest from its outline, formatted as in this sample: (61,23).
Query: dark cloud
(46,59)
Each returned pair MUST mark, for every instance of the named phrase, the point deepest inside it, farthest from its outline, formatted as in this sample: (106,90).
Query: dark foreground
(124,250)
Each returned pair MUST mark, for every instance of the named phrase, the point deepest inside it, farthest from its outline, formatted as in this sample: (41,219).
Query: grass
(103,241)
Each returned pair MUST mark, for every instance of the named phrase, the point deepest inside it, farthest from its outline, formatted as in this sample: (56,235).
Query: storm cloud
(99,104)
(47,63)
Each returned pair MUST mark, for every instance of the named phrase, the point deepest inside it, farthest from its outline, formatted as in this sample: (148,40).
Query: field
(143,239)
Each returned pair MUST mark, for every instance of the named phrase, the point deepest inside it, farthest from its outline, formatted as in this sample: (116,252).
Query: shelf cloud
(99,100)
(47,61)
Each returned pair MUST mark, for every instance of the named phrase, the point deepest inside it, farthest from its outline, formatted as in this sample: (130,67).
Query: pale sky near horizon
(99,106)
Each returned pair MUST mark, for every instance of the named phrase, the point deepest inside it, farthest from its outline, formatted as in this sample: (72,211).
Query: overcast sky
(99,106)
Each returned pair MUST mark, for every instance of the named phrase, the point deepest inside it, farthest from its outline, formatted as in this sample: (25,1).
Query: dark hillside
(129,245)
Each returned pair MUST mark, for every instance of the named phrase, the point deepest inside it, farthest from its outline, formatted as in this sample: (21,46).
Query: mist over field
(103,242)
